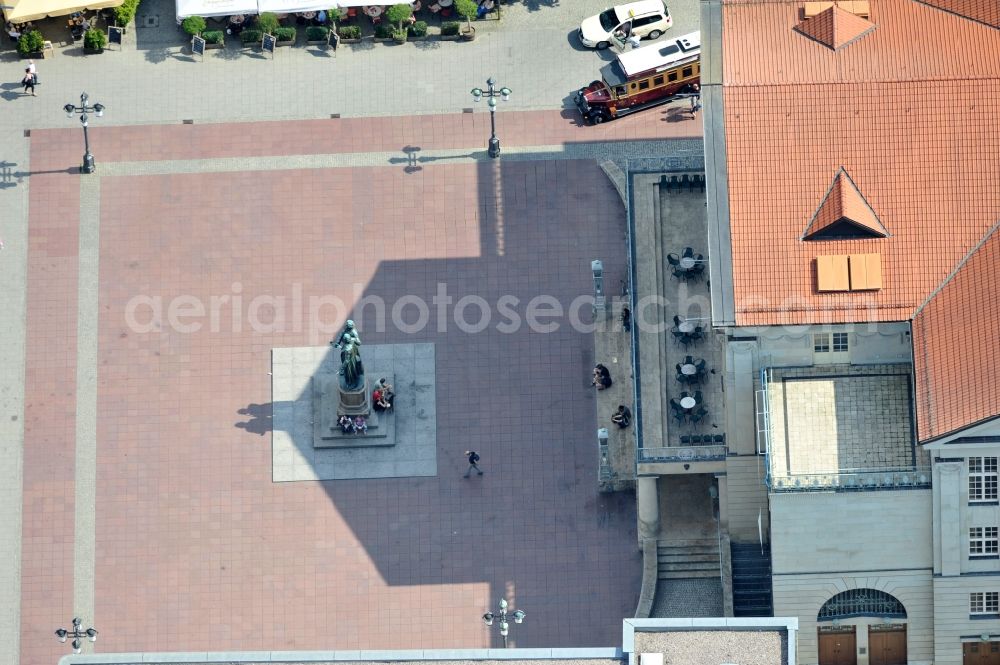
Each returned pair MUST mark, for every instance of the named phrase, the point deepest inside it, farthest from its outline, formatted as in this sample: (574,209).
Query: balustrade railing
(852,479)
(683,454)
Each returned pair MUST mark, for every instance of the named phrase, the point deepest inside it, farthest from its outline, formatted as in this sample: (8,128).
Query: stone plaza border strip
(685,153)
(13,323)
(400,655)
(85,473)
(632,626)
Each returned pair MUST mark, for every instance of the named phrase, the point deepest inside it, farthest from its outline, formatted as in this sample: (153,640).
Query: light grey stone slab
(294,458)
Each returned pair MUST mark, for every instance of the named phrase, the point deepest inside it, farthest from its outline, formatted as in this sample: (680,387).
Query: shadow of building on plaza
(534,527)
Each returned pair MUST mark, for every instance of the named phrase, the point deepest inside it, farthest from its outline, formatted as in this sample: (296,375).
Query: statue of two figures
(352,371)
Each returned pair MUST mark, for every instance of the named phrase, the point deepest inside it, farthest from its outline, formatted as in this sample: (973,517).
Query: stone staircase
(751,580)
(687,559)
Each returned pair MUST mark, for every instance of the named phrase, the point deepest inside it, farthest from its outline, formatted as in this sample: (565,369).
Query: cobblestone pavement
(193,518)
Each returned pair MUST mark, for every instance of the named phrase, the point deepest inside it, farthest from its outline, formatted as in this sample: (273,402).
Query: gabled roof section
(844,213)
(983,11)
(956,346)
(835,28)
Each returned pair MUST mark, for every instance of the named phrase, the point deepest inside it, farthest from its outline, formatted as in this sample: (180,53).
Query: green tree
(95,39)
(268,23)
(193,25)
(125,13)
(467,8)
(30,42)
(398,14)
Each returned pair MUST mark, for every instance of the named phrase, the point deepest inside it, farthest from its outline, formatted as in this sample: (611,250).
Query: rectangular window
(644,84)
(658,80)
(840,342)
(982,603)
(672,76)
(983,541)
(821,342)
(982,479)
(687,71)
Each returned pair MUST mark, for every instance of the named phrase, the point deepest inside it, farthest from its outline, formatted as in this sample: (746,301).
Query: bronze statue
(352,370)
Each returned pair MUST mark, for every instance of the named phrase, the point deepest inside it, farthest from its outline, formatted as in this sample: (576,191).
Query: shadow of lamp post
(492,93)
(517,615)
(76,634)
(83,109)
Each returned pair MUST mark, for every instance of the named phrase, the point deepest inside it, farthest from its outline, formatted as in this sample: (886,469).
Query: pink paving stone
(192,535)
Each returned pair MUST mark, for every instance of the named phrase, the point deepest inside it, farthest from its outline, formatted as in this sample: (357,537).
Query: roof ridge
(958,267)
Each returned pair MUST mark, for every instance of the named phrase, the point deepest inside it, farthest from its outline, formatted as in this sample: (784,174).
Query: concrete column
(949,526)
(723,502)
(648,507)
(741,429)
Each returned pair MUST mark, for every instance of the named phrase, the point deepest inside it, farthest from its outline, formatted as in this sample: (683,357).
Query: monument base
(328,404)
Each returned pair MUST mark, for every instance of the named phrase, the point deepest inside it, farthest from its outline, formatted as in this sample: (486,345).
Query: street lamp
(77,632)
(492,93)
(83,109)
(518,616)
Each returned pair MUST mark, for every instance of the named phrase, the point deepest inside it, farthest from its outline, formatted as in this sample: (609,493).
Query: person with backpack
(29,82)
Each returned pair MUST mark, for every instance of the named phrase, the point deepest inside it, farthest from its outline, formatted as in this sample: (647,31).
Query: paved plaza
(137,453)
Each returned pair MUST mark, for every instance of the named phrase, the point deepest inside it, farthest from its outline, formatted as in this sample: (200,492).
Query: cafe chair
(688,253)
(698,364)
(698,415)
(673,259)
(677,320)
(697,396)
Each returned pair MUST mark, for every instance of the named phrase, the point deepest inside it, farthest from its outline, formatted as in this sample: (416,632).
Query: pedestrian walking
(31,67)
(473,463)
(29,82)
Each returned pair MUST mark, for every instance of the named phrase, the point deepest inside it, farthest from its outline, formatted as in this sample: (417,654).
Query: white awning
(292,6)
(208,8)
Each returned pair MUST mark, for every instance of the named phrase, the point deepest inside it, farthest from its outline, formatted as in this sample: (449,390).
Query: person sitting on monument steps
(360,425)
(379,400)
(346,425)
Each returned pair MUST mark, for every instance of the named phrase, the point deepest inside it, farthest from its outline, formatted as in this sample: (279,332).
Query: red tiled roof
(844,202)
(984,11)
(910,112)
(835,28)
(956,337)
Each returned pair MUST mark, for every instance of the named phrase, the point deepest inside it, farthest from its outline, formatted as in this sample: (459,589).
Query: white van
(646,18)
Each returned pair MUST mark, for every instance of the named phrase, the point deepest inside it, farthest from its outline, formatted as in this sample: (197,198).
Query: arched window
(862,602)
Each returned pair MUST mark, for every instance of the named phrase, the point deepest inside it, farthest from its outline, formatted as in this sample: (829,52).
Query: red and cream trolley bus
(642,78)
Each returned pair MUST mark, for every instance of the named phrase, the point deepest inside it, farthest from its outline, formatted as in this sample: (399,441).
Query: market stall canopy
(208,8)
(21,11)
(293,6)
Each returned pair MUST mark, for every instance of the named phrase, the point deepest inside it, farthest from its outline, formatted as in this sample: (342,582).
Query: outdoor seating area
(691,370)
(688,408)
(687,266)
(686,331)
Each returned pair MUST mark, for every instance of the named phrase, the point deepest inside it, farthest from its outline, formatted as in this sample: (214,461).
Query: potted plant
(349,34)
(214,39)
(251,36)
(94,41)
(449,31)
(317,34)
(383,32)
(31,44)
(285,36)
(469,10)
(193,25)
(418,31)
(125,12)
(399,14)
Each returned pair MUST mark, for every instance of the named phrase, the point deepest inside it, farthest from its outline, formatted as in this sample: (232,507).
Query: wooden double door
(981,653)
(887,647)
(838,647)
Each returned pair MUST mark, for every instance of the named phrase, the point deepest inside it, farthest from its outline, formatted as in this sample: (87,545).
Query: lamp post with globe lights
(491,93)
(517,615)
(77,633)
(83,109)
